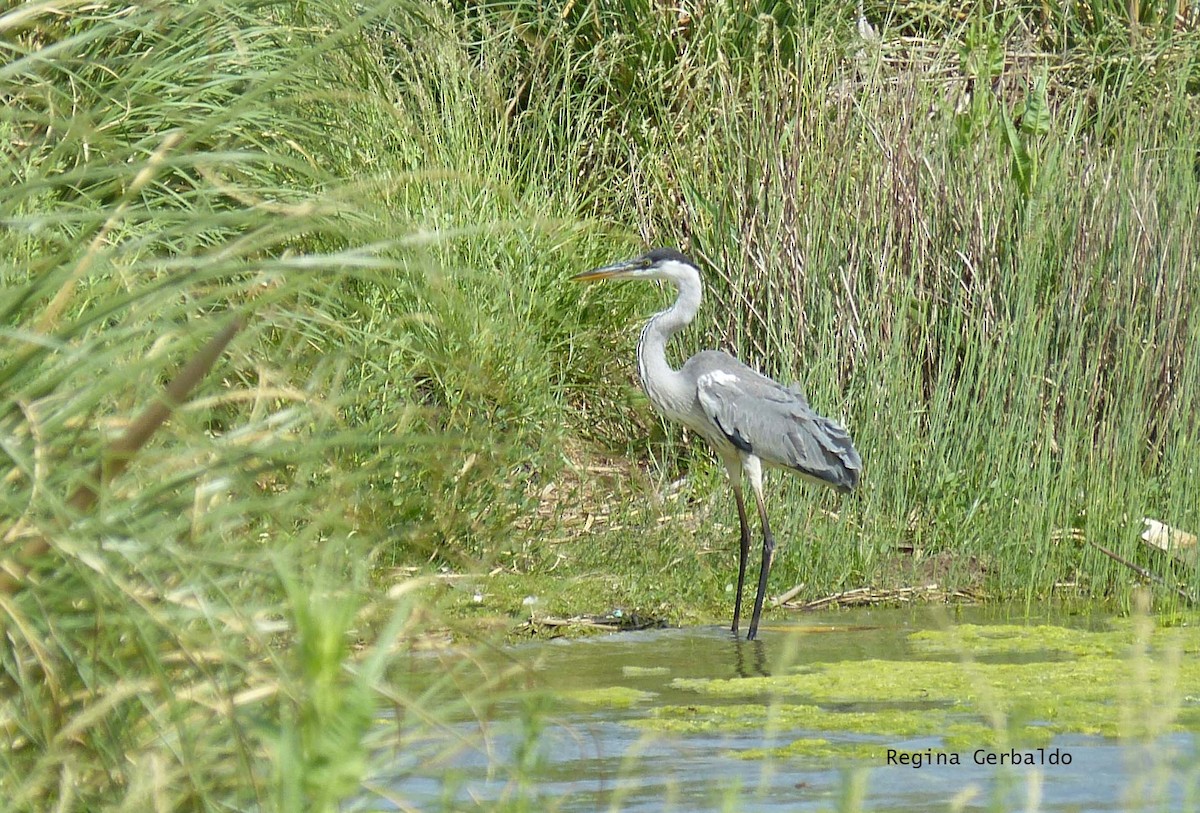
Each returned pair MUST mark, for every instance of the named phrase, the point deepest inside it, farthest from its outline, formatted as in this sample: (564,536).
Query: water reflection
(756,664)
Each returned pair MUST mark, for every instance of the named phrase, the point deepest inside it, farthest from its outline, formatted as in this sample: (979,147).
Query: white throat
(665,387)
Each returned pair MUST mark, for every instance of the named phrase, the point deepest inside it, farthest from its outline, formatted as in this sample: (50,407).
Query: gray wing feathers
(776,424)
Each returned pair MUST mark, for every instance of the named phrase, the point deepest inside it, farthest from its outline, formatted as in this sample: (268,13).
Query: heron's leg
(745,551)
(767,555)
(754,469)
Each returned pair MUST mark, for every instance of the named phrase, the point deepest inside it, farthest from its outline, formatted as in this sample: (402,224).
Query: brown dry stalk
(122,450)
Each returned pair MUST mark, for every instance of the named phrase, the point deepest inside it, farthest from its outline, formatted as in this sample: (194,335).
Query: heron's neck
(662,383)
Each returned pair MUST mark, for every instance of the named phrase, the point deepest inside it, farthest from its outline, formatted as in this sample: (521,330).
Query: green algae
(1130,682)
(644,671)
(1013,639)
(818,748)
(965,735)
(611,697)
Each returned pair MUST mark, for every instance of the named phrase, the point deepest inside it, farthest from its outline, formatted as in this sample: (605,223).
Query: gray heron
(747,418)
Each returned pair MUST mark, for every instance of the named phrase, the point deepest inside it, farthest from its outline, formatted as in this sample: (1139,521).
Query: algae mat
(860,710)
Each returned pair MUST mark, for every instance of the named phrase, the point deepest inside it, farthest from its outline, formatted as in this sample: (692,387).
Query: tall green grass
(977,254)
(201,628)
(1008,358)
(391,198)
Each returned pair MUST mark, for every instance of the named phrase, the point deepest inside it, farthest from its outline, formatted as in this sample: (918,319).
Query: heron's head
(659,263)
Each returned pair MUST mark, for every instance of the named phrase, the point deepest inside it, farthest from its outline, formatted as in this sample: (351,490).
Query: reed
(286,328)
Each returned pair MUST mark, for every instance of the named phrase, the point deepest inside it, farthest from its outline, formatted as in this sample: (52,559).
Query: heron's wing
(776,424)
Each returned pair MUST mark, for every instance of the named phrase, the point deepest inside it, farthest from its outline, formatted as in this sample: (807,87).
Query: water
(574,740)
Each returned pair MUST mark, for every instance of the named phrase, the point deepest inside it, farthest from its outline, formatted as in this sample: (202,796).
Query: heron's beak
(615,271)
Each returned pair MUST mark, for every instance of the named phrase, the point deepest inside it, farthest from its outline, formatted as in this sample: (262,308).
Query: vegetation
(338,236)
